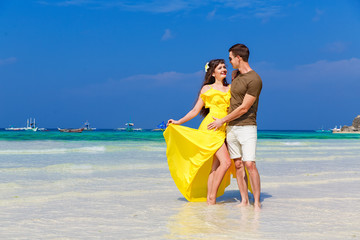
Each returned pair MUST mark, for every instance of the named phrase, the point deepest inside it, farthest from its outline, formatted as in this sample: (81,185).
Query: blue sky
(109,62)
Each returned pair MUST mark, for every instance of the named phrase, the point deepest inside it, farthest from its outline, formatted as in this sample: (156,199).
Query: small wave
(97,149)
(310,182)
(42,199)
(293,143)
(84,168)
(145,148)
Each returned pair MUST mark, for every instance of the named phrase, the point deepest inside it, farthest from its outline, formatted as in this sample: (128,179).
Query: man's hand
(216,124)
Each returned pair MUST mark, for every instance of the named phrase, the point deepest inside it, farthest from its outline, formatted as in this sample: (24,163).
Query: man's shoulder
(255,75)
(254,79)
(248,77)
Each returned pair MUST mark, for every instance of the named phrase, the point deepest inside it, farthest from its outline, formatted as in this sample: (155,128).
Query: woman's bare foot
(211,201)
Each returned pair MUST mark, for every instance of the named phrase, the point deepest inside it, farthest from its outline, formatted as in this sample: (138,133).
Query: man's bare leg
(241,181)
(255,182)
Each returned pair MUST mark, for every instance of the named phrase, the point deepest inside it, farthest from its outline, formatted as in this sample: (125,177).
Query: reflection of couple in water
(199,160)
(194,221)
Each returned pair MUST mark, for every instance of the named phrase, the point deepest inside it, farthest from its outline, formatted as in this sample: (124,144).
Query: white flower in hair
(206,66)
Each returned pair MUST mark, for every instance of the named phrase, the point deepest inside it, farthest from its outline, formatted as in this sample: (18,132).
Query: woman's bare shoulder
(205,88)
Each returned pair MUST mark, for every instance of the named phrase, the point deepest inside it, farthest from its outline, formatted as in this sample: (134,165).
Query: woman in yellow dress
(198,158)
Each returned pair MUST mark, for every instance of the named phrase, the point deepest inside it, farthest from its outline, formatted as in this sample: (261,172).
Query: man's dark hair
(240,50)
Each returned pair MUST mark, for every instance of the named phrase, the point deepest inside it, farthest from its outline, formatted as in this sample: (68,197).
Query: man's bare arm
(238,112)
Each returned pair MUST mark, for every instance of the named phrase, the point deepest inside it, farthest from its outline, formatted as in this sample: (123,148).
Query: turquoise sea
(149,135)
(116,185)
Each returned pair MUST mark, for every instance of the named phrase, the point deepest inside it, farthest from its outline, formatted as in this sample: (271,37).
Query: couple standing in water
(200,161)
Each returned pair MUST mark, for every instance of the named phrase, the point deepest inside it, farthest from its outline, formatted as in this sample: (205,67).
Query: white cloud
(167,78)
(69,2)
(155,6)
(306,95)
(335,47)
(236,4)
(267,12)
(8,60)
(259,8)
(211,14)
(159,80)
(167,35)
(317,15)
(342,70)
(324,73)
(263,10)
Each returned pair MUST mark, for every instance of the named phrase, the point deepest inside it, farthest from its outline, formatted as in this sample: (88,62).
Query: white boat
(14,129)
(335,129)
(130,128)
(87,127)
(322,130)
(30,126)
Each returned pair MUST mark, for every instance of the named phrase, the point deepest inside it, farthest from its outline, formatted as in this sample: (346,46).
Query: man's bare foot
(257,206)
(243,204)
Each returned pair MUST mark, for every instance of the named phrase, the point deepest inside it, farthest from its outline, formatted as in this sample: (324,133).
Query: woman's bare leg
(223,157)
(215,165)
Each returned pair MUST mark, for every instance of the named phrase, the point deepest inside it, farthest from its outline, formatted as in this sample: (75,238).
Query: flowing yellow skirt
(190,155)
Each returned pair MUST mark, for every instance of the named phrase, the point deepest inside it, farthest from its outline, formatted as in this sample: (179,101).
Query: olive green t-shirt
(247,83)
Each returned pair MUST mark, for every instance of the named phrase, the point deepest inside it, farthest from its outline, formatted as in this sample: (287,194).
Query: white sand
(113,190)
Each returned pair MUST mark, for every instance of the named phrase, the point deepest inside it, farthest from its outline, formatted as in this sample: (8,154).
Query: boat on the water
(14,129)
(30,126)
(336,129)
(322,130)
(71,130)
(160,127)
(129,127)
(87,127)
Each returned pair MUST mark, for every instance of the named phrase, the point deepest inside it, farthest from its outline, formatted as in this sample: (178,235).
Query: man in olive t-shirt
(242,129)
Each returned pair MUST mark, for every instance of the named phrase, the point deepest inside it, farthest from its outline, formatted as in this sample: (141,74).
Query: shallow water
(59,189)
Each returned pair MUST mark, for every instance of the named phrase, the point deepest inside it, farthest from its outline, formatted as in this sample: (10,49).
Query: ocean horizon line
(153,136)
(151,129)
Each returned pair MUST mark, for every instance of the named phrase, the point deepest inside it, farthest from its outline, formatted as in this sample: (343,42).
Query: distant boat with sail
(160,127)
(129,127)
(30,126)
(336,129)
(87,127)
(322,130)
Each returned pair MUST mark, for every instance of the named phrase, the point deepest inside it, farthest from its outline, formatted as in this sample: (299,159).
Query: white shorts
(241,142)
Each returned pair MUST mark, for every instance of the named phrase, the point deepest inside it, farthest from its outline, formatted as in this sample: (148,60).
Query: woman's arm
(193,112)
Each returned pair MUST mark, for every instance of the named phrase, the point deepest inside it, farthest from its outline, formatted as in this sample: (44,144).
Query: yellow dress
(190,151)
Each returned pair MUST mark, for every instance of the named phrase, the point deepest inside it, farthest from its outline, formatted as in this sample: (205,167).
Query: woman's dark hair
(210,79)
